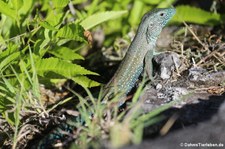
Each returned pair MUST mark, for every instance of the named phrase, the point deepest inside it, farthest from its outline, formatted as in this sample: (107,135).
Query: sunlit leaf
(54,17)
(5,9)
(46,25)
(195,15)
(56,68)
(98,18)
(9,59)
(72,31)
(60,3)
(17,4)
(65,53)
(85,81)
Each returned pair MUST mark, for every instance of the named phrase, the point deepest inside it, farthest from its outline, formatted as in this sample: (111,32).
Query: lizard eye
(162,14)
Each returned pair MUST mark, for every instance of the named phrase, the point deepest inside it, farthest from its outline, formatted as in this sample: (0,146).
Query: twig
(210,55)
(203,45)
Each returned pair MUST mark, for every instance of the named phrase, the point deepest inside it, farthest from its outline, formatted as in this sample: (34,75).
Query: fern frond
(73,32)
(56,68)
(65,53)
(85,81)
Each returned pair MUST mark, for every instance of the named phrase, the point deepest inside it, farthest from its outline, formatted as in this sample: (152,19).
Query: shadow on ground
(198,125)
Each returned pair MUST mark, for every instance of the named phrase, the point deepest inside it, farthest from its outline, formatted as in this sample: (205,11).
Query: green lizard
(140,50)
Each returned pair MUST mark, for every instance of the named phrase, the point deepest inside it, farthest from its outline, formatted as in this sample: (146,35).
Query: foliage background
(44,43)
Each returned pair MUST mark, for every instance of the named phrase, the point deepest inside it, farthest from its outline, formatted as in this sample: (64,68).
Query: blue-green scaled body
(141,47)
(123,81)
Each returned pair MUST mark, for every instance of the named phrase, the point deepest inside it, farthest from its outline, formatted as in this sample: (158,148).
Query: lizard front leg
(148,65)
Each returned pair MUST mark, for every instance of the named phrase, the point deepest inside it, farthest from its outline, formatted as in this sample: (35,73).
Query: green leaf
(60,3)
(10,50)
(195,15)
(26,7)
(72,31)
(6,26)
(46,25)
(152,2)
(54,17)
(85,81)
(17,4)
(9,86)
(138,133)
(165,4)
(56,68)
(98,18)
(135,14)
(9,59)
(65,53)
(5,9)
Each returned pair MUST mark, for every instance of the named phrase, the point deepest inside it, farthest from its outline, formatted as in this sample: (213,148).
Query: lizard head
(153,22)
